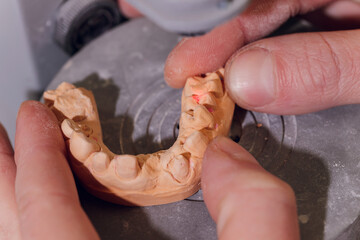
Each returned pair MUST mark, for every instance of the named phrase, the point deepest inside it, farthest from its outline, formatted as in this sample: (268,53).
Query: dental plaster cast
(146,179)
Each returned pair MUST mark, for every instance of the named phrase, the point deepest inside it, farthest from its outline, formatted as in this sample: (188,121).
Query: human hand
(38,193)
(291,74)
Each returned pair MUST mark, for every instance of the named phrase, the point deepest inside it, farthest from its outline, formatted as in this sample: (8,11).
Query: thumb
(297,73)
(246,201)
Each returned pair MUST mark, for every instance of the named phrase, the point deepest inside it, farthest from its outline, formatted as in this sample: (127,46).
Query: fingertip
(244,199)
(222,159)
(249,77)
(36,124)
(202,54)
(35,109)
(295,74)
(175,74)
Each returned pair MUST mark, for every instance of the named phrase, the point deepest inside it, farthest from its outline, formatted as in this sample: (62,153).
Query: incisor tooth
(126,166)
(179,167)
(100,161)
(81,147)
(196,144)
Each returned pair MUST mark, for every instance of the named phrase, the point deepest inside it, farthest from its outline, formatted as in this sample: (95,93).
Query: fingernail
(250,78)
(232,149)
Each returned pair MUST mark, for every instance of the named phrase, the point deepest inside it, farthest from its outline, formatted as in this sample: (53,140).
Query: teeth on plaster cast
(81,147)
(146,179)
(179,168)
(100,161)
(126,166)
(196,144)
(68,126)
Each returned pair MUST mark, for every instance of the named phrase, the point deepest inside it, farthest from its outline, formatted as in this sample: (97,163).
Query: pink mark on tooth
(196,98)
(216,126)
(95,138)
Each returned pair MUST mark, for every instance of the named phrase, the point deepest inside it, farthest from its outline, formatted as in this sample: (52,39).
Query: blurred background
(27,60)
(37,38)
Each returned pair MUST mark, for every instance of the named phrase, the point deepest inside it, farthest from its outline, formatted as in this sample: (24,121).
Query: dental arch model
(146,179)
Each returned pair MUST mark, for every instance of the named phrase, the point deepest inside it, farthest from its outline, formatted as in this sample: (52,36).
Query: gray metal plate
(317,154)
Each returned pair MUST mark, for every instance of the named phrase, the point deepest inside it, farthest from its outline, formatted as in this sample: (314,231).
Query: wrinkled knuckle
(319,69)
(330,69)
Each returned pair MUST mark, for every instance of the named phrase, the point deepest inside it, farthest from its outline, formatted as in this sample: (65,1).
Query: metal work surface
(317,154)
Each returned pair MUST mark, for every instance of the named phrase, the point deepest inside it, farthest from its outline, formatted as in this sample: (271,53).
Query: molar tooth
(74,104)
(208,99)
(196,144)
(68,126)
(200,119)
(81,147)
(188,104)
(203,118)
(199,89)
(126,166)
(215,86)
(179,167)
(186,121)
(188,90)
(50,95)
(190,83)
(100,161)
(65,86)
